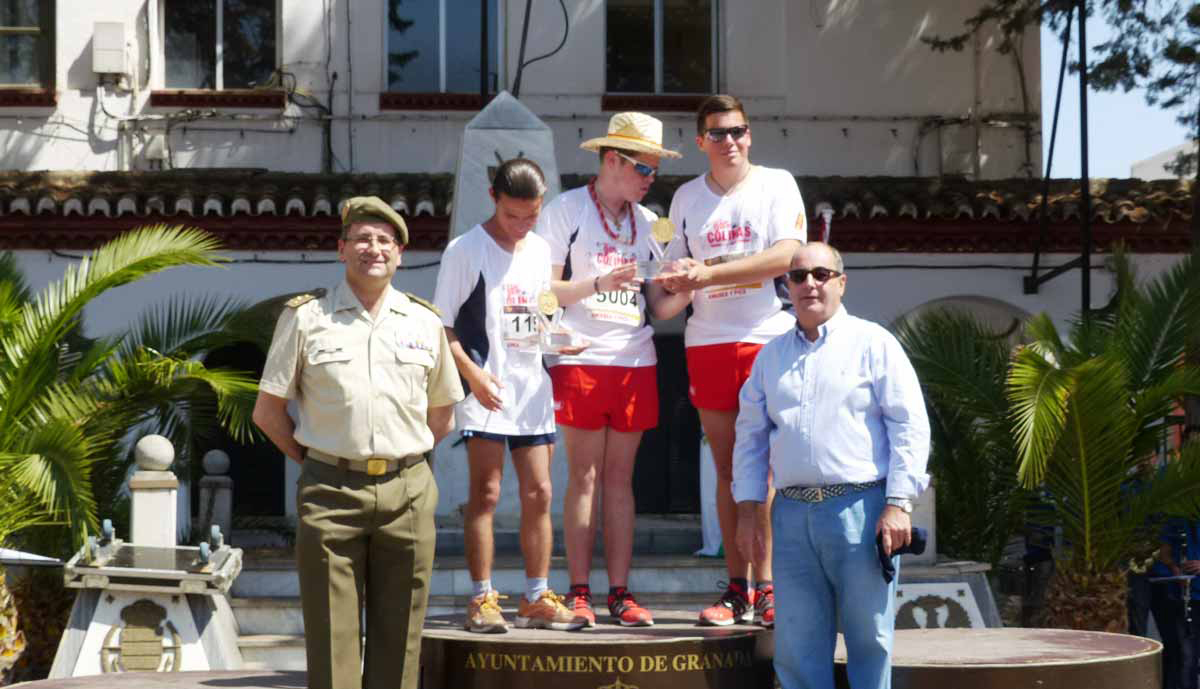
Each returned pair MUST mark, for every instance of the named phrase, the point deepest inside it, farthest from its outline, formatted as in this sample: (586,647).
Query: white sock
(481,587)
(535,587)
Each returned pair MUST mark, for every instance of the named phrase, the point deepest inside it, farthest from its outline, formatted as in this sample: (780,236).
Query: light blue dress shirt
(845,409)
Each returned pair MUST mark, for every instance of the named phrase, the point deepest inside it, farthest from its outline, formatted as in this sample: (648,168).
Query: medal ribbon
(604,220)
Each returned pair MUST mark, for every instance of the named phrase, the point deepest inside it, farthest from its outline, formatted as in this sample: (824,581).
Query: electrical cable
(273,261)
(522,65)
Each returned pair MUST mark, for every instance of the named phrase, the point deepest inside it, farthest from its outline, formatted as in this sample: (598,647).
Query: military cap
(373,209)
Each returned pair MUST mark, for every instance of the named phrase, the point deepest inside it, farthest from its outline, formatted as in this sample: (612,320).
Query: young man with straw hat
(607,395)
(739,226)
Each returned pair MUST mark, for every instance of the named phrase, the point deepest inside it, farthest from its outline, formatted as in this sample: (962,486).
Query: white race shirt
(764,209)
(614,323)
(489,297)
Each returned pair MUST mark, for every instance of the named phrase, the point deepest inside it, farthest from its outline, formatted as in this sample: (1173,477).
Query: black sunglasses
(821,275)
(717,134)
(639,167)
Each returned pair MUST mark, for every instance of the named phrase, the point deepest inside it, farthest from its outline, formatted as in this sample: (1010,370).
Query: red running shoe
(626,611)
(733,606)
(764,605)
(579,602)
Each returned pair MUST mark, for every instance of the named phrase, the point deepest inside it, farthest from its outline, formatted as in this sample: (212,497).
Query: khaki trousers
(364,542)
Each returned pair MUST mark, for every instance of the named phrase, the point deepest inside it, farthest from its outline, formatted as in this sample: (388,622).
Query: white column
(154,491)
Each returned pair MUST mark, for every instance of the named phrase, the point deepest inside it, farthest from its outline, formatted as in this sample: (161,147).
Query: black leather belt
(374,466)
(820,493)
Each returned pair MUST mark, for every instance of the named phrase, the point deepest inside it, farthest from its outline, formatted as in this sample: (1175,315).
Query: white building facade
(255,118)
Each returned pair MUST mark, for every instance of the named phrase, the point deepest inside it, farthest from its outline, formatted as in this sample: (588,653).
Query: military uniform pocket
(412,373)
(328,371)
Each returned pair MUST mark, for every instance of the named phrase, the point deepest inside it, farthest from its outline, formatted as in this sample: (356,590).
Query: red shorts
(716,373)
(593,397)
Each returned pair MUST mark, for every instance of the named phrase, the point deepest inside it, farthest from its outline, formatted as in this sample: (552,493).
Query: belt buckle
(376,467)
(820,494)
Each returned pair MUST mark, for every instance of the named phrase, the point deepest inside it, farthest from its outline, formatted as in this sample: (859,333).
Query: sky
(1122,129)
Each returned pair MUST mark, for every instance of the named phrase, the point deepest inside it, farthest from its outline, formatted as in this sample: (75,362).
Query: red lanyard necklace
(604,220)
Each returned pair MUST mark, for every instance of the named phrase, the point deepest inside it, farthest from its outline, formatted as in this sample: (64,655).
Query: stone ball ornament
(216,462)
(154,453)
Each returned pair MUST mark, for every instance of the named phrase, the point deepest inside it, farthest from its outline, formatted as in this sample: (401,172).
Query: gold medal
(547,303)
(663,230)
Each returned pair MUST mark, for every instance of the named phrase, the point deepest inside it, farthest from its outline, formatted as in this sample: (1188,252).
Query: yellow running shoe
(484,616)
(548,612)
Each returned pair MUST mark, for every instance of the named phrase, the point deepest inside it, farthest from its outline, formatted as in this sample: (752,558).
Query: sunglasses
(821,275)
(641,168)
(717,134)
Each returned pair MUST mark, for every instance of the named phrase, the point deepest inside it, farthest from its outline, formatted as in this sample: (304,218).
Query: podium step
(275,577)
(262,620)
(662,534)
(272,629)
(272,652)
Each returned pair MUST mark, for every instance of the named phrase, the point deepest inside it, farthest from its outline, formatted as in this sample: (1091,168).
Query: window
(660,46)
(27,43)
(433,46)
(219,44)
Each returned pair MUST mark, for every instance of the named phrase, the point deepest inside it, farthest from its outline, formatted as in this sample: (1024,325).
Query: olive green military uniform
(366,497)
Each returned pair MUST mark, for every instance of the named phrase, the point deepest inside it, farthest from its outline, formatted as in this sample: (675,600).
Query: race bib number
(618,306)
(520,321)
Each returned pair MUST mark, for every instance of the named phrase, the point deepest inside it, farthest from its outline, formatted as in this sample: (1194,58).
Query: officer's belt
(375,466)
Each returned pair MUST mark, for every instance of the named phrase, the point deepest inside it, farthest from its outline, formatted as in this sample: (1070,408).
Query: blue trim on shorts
(515,442)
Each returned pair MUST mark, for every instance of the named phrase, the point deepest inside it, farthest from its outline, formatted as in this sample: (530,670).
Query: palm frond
(1042,337)
(1037,394)
(185,326)
(957,356)
(13,278)
(1173,490)
(30,350)
(53,462)
(1159,321)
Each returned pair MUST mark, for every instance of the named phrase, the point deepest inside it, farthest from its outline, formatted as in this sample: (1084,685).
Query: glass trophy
(662,234)
(553,337)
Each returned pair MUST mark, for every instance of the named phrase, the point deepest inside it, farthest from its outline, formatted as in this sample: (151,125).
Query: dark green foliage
(962,366)
(68,406)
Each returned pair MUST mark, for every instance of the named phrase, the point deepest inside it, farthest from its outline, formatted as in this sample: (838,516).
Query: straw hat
(632,131)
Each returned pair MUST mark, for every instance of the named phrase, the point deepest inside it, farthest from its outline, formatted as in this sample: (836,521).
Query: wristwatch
(903,503)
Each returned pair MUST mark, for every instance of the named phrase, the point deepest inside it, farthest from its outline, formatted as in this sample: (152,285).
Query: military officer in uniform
(374,386)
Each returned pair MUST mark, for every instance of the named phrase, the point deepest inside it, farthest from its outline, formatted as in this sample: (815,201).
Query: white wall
(1155,167)
(832,86)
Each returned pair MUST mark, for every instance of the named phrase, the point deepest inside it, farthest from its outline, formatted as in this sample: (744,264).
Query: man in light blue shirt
(834,411)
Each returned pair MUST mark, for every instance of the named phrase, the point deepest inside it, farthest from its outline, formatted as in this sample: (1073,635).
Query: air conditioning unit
(108,48)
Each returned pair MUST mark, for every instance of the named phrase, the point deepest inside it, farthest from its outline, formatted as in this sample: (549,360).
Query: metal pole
(516,90)
(1032,282)
(1085,195)
(483,49)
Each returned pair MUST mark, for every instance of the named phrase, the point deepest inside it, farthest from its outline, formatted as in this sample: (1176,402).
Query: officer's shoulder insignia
(424,302)
(302,299)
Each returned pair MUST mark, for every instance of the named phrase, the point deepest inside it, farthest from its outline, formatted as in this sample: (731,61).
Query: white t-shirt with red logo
(764,209)
(614,323)
(489,296)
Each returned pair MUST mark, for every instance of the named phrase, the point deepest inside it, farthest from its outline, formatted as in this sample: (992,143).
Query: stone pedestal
(150,605)
(155,494)
(216,493)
